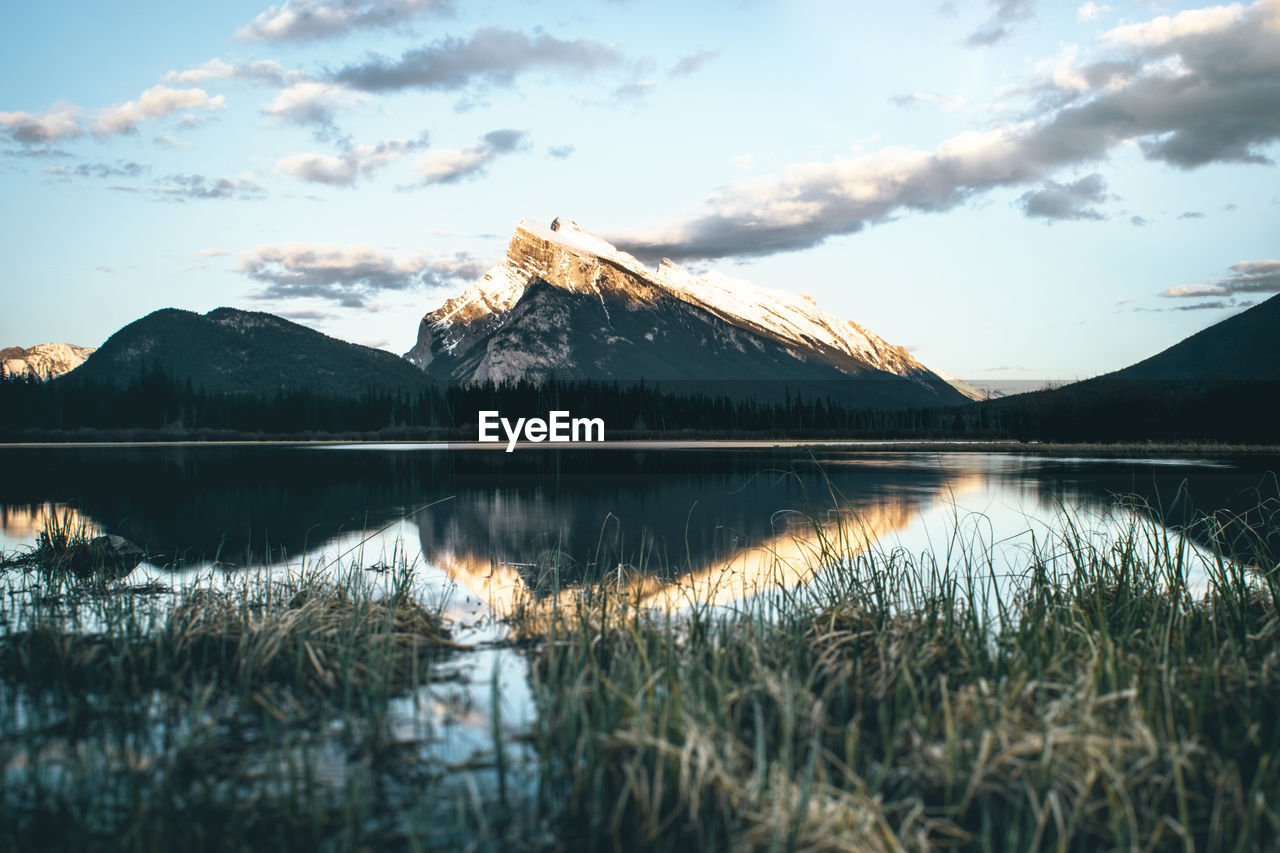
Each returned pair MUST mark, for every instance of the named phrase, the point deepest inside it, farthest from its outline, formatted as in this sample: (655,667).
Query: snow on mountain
(509,326)
(791,316)
(43,361)
(971,391)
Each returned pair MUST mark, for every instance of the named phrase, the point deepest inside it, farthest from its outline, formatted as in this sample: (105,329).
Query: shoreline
(1062,449)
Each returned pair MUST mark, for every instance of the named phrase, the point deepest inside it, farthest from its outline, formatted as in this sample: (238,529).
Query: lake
(686,525)
(670,510)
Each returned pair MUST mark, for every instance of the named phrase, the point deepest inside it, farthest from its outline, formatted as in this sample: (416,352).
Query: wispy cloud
(266,71)
(1244,277)
(188,187)
(343,170)
(490,56)
(348,275)
(946,103)
(61,122)
(636,90)
(1005,16)
(311,103)
(687,65)
(156,102)
(448,166)
(1213,304)
(118,169)
(309,20)
(1091,11)
(1055,201)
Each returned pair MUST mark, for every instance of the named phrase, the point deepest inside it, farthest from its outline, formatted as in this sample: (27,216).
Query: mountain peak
(627,316)
(42,361)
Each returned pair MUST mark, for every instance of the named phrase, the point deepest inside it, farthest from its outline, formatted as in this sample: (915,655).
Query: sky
(1012,189)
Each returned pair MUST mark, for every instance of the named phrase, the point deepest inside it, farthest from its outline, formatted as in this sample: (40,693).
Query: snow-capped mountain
(43,361)
(568,304)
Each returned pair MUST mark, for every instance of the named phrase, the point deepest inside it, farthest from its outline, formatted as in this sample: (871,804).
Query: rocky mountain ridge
(43,361)
(566,303)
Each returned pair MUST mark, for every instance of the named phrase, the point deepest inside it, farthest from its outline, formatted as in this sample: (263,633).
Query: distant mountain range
(43,361)
(228,350)
(567,304)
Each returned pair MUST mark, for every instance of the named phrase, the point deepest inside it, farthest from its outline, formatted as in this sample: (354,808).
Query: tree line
(154,402)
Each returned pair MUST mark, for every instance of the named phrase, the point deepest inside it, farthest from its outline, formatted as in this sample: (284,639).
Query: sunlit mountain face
(567,304)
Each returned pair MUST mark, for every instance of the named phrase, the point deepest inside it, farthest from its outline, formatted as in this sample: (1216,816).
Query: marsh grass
(1120,694)
(234,713)
(62,542)
(1122,691)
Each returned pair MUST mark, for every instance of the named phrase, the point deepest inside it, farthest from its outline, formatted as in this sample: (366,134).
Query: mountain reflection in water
(712,518)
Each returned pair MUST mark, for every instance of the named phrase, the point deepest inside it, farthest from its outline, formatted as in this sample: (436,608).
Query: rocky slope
(43,361)
(565,303)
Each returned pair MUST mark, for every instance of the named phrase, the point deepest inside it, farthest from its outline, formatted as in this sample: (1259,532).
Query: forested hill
(1245,347)
(249,352)
(1220,384)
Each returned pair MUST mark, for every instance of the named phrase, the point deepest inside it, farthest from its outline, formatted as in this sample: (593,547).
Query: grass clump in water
(313,637)
(1116,696)
(252,713)
(66,548)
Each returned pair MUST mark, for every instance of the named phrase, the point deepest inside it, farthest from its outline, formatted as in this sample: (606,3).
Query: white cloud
(61,122)
(946,103)
(1162,30)
(156,102)
(1091,11)
(311,102)
(348,274)
(264,71)
(491,55)
(1245,277)
(318,19)
(344,169)
(1063,71)
(1210,97)
(447,166)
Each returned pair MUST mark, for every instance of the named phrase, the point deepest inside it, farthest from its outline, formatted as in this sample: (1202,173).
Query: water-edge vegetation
(1122,692)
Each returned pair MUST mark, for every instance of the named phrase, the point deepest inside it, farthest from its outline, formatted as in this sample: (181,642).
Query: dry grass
(904,707)
(312,638)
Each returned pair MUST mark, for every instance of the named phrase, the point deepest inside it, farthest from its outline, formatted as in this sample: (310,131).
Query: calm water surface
(710,523)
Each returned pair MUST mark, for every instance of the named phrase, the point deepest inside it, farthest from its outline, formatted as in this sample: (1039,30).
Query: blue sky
(1017,189)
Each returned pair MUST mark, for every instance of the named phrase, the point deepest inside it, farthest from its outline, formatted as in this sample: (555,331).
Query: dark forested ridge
(1242,348)
(243,352)
(1220,384)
